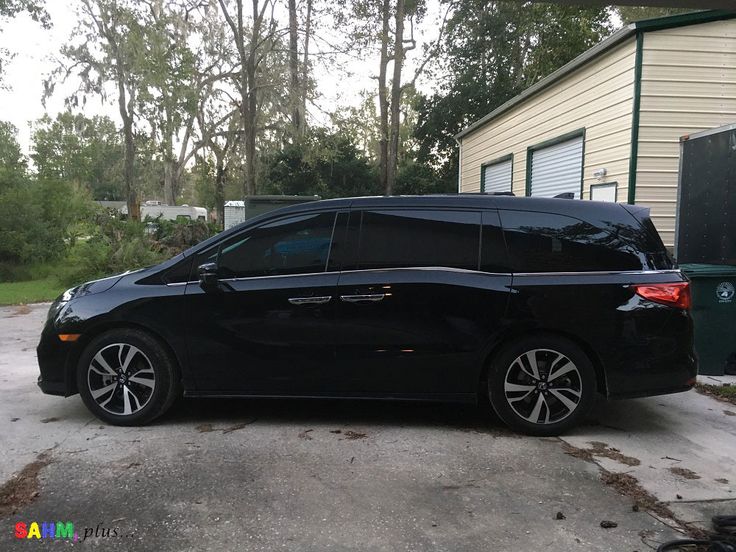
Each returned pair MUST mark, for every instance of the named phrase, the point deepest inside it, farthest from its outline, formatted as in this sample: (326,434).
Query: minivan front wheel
(125,377)
(541,385)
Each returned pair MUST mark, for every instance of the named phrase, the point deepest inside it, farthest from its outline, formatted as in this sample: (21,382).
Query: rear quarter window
(548,242)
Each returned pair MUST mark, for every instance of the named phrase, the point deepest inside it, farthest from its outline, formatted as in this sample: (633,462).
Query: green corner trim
(502,159)
(635,114)
(553,142)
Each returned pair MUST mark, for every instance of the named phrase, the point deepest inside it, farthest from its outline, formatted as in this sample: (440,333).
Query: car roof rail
(484,193)
(565,195)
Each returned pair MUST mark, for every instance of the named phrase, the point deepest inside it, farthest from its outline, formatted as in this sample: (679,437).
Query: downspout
(459,166)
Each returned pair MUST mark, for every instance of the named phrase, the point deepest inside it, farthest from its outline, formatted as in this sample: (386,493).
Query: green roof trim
(620,36)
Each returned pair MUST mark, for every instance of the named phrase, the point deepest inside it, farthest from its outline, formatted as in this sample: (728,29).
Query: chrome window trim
(601,273)
(449,269)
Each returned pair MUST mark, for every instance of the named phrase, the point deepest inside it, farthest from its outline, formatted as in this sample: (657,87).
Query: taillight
(674,295)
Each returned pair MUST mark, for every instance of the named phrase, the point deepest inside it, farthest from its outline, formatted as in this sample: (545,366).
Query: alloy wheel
(543,386)
(121,379)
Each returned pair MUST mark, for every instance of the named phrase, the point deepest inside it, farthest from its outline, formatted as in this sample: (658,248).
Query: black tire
(104,385)
(519,398)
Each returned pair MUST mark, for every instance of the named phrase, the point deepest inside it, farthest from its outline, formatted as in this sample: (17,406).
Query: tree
(629,14)
(324,163)
(372,25)
(491,52)
(105,50)
(257,81)
(12,162)
(85,151)
(182,60)
(218,113)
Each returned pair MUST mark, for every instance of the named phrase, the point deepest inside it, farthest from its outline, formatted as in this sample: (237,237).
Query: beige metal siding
(597,97)
(688,85)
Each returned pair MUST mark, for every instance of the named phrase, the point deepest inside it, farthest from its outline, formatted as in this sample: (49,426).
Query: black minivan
(537,304)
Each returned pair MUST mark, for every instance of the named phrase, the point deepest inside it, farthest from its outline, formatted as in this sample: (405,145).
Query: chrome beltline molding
(450,269)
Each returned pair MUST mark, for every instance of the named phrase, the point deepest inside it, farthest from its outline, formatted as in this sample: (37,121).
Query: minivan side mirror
(208,275)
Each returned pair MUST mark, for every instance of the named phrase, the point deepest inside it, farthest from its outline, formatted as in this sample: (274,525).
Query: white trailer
(173,212)
(239,211)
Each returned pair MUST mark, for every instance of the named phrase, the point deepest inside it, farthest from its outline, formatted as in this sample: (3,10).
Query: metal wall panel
(688,85)
(597,97)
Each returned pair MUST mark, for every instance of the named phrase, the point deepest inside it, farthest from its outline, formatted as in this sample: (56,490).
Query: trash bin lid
(699,269)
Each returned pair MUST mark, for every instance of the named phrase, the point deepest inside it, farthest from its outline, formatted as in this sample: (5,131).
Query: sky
(36,51)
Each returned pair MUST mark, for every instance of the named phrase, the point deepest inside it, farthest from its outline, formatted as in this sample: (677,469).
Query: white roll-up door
(497,177)
(558,169)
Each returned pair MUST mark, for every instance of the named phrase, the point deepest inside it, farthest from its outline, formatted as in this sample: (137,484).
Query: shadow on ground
(463,417)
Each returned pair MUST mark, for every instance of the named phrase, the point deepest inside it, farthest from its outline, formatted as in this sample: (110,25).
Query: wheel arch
(87,337)
(493,349)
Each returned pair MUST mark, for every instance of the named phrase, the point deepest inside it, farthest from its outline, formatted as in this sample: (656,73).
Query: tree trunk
(250,105)
(134,212)
(383,96)
(393,152)
(169,176)
(220,193)
(305,68)
(294,89)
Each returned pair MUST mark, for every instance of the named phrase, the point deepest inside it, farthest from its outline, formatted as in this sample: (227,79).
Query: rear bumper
(652,392)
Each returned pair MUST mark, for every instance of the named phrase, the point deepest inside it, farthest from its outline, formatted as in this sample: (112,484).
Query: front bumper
(58,388)
(55,361)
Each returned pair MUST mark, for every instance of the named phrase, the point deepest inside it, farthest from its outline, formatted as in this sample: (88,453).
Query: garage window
(496,176)
(556,167)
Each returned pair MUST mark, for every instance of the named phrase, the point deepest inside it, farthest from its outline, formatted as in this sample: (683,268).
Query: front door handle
(321,300)
(363,298)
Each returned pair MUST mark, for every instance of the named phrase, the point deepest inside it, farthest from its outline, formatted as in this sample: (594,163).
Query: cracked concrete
(237,474)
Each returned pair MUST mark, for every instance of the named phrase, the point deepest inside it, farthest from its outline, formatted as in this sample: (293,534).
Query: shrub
(120,245)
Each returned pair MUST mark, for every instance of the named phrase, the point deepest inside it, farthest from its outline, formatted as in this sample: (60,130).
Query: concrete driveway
(331,475)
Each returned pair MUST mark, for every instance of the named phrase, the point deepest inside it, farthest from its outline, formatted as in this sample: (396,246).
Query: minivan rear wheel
(541,385)
(126,377)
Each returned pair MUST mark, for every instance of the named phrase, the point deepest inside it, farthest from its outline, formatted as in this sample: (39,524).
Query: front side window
(417,238)
(295,245)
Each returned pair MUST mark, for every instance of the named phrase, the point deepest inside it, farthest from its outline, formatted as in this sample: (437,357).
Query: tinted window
(179,273)
(408,238)
(545,242)
(295,245)
(493,256)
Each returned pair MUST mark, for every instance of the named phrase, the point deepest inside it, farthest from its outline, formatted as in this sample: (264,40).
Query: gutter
(459,165)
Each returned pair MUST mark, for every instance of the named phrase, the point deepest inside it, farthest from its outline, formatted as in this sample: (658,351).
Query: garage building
(607,125)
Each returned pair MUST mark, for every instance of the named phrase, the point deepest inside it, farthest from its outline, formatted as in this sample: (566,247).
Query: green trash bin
(713,289)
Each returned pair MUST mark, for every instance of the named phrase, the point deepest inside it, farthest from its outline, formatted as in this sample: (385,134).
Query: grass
(31,291)
(725,393)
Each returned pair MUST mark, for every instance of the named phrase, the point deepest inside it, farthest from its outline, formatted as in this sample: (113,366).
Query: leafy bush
(116,246)
(38,221)
(120,245)
(173,237)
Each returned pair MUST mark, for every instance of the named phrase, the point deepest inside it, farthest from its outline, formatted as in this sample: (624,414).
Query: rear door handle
(321,300)
(363,298)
